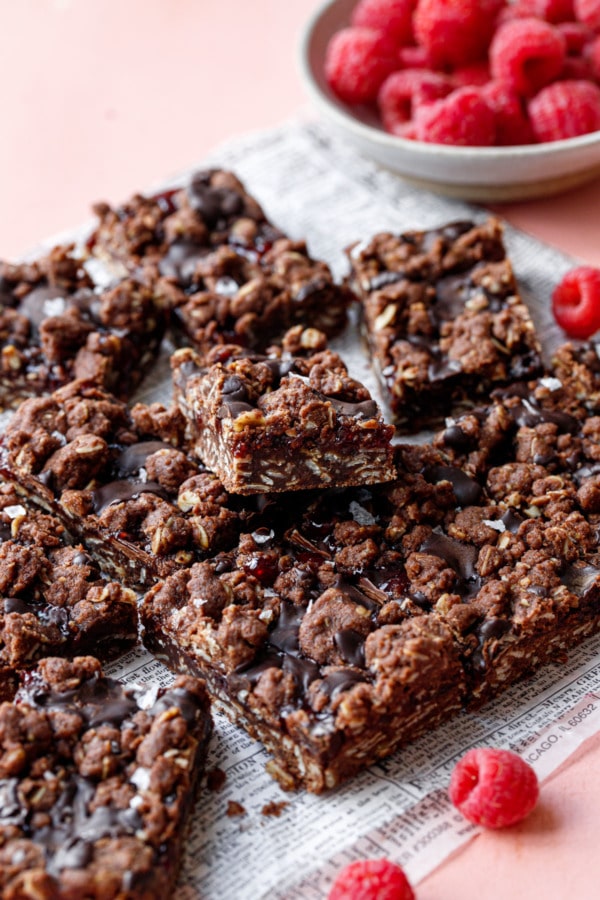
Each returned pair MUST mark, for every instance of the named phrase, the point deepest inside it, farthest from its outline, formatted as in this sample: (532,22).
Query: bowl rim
(344,118)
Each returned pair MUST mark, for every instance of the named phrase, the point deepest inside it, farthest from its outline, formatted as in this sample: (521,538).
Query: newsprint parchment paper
(291,845)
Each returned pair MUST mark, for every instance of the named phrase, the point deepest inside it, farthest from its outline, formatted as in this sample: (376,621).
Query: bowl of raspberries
(487,100)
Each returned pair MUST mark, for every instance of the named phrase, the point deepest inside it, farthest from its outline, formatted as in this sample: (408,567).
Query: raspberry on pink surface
(403,92)
(393,17)
(565,109)
(512,123)
(493,788)
(576,302)
(463,118)
(528,53)
(357,61)
(588,12)
(371,879)
(455,32)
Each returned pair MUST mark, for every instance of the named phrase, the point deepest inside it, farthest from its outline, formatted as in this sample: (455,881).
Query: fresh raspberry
(512,123)
(371,879)
(576,302)
(455,32)
(414,58)
(521,9)
(393,17)
(527,52)
(554,10)
(407,131)
(461,118)
(564,110)
(576,35)
(357,61)
(493,788)
(402,92)
(592,55)
(576,68)
(588,12)
(477,74)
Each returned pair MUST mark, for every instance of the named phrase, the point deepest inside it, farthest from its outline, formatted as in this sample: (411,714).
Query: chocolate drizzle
(129,462)
(528,413)
(236,398)
(335,683)
(512,520)
(466,490)
(68,840)
(181,259)
(580,580)
(351,645)
(119,491)
(133,458)
(216,205)
(459,556)
(489,631)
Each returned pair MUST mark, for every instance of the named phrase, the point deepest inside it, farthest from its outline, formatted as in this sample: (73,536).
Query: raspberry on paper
(493,788)
(576,302)
(565,109)
(371,879)
(527,52)
(357,61)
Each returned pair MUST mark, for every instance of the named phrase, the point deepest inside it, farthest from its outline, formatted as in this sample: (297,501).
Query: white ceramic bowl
(472,173)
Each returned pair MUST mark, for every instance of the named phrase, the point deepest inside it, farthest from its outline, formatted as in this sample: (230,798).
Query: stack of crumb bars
(336,594)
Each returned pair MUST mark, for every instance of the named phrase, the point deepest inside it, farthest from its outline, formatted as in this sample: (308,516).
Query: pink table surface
(102,97)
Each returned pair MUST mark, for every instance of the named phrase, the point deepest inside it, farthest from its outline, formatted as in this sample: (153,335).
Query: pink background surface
(103,97)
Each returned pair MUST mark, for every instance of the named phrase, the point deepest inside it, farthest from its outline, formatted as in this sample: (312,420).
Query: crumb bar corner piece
(97,781)
(443,318)
(281,423)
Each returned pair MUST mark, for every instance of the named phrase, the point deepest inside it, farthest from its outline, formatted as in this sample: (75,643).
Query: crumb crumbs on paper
(274,808)
(235,809)
(215,779)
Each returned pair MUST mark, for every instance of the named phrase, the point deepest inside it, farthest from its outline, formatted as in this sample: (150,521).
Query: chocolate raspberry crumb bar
(53,599)
(232,276)
(374,613)
(443,318)
(97,780)
(55,326)
(117,481)
(281,423)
